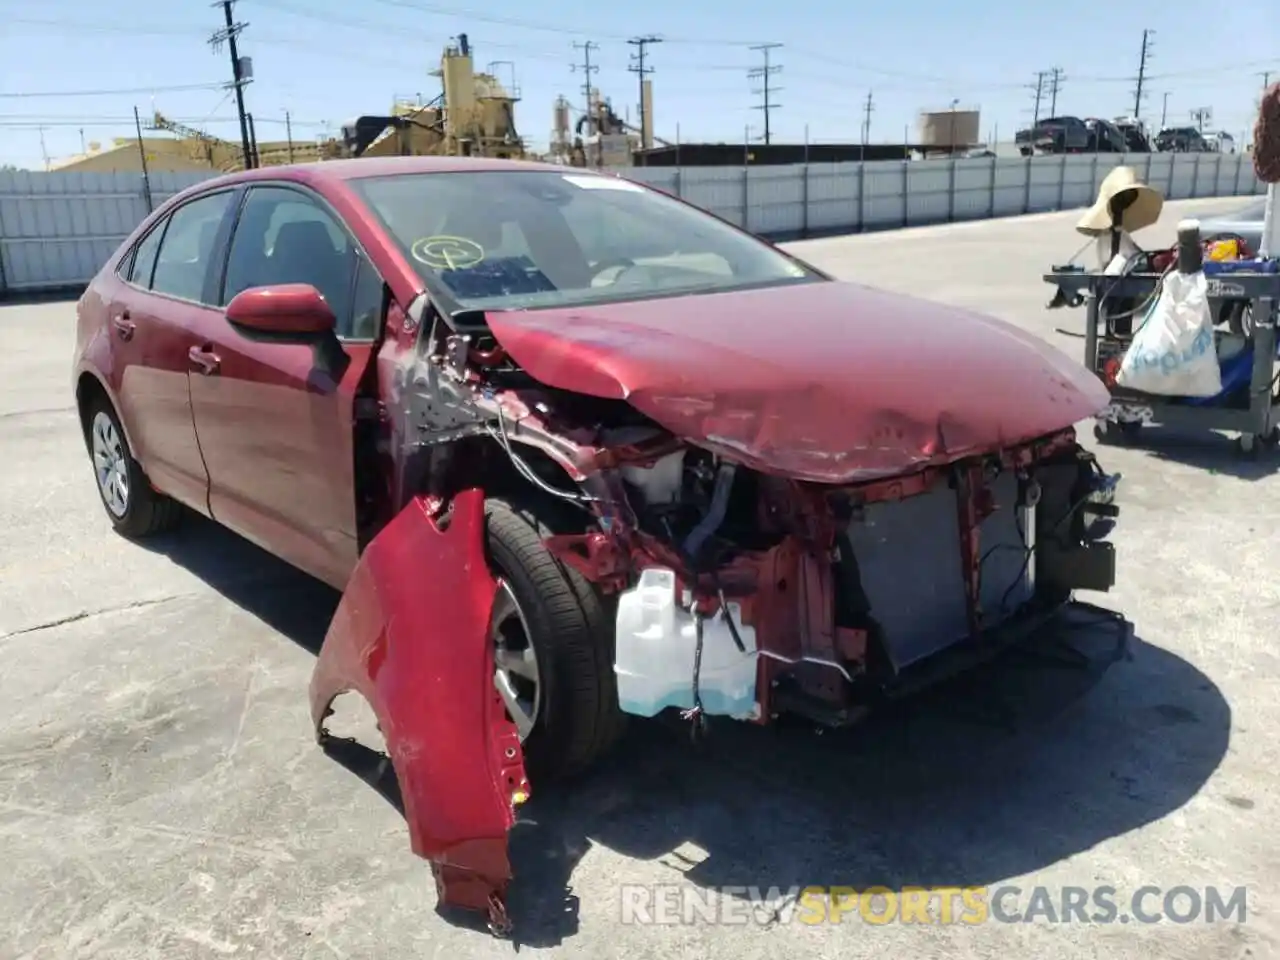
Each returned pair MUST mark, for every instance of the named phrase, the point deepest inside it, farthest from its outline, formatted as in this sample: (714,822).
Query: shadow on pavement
(1209,451)
(999,773)
(298,606)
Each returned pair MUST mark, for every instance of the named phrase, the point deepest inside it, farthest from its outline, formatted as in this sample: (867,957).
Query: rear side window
(144,257)
(187,248)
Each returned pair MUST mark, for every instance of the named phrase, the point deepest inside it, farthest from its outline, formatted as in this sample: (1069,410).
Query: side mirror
(288,310)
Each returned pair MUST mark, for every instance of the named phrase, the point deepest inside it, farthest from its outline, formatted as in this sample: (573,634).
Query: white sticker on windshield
(604,183)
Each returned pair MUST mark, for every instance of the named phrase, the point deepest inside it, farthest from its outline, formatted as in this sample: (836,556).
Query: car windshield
(514,239)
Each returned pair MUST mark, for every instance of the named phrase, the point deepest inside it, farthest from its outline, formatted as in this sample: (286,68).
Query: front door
(275,420)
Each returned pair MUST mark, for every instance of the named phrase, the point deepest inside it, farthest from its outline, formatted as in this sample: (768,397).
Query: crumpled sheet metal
(411,635)
(862,384)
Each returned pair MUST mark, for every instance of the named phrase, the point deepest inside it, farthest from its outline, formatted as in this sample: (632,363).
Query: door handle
(204,360)
(124,326)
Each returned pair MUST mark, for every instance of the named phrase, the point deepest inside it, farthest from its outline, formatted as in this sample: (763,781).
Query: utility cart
(1243,298)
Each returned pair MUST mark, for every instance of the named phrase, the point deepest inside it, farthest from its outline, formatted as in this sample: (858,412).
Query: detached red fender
(411,635)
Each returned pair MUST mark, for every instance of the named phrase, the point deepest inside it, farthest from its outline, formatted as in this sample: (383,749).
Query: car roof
(318,173)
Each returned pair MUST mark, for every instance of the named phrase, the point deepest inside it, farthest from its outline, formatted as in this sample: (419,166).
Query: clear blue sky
(325,62)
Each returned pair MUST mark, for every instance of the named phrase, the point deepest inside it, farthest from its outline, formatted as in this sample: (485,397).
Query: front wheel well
(482,462)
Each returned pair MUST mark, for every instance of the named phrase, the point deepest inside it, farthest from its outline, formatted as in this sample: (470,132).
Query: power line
(105,119)
(763,73)
(1142,72)
(638,67)
(239,78)
(472,14)
(27,94)
(153,29)
(78,25)
(916,81)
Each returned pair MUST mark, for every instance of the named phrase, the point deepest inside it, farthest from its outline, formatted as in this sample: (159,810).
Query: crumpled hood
(826,381)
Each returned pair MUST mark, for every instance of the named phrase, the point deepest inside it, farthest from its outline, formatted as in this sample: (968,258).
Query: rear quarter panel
(93,354)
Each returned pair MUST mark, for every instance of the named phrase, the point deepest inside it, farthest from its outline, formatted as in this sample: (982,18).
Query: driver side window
(285,236)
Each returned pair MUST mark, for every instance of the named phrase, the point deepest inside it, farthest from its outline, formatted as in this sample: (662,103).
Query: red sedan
(574,449)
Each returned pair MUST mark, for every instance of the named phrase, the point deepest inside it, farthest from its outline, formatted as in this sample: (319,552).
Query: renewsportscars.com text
(675,904)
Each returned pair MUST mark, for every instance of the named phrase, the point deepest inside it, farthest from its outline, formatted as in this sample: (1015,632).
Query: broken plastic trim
(411,635)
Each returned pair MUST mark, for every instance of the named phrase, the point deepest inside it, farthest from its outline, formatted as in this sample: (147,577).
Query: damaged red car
(574,450)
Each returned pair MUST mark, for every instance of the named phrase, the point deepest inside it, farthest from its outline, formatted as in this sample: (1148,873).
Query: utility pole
(1142,72)
(1055,84)
(142,157)
(240,76)
(1202,115)
(588,68)
(868,106)
(638,67)
(763,74)
(1039,89)
(253,140)
(288,132)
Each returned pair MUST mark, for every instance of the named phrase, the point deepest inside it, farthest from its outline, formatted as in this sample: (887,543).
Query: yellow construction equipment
(474,116)
(217,153)
(227,157)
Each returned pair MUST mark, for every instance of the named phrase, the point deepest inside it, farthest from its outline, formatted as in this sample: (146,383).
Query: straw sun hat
(1141,204)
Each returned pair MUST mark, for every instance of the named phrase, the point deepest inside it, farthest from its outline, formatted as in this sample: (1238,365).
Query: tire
(146,511)
(572,636)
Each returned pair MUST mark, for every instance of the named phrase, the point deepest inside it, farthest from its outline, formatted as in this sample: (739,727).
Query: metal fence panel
(57,229)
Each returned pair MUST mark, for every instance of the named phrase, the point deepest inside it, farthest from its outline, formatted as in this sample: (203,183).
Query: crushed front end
(749,595)
(731,583)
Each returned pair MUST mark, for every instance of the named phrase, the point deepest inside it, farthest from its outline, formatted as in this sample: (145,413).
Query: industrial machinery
(219,154)
(474,116)
(227,157)
(601,137)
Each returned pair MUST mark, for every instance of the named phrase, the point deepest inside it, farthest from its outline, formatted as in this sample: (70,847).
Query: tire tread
(575,631)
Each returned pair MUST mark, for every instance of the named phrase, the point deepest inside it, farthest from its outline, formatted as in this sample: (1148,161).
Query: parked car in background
(1104,136)
(1054,135)
(1181,140)
(1074,135)
(565,442)
(1222,142)
(1135,134)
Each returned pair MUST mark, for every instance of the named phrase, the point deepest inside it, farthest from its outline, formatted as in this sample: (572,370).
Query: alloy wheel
(110,464)
(515,673)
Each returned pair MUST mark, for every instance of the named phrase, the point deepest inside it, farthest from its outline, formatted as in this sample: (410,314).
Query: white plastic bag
(1173,353)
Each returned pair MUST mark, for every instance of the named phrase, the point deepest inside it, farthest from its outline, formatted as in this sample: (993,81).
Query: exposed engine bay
(803,597)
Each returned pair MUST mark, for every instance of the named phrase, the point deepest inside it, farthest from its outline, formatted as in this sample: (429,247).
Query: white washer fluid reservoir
(656,644)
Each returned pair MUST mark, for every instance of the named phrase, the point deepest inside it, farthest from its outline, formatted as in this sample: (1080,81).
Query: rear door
(275,420)
(151,317)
